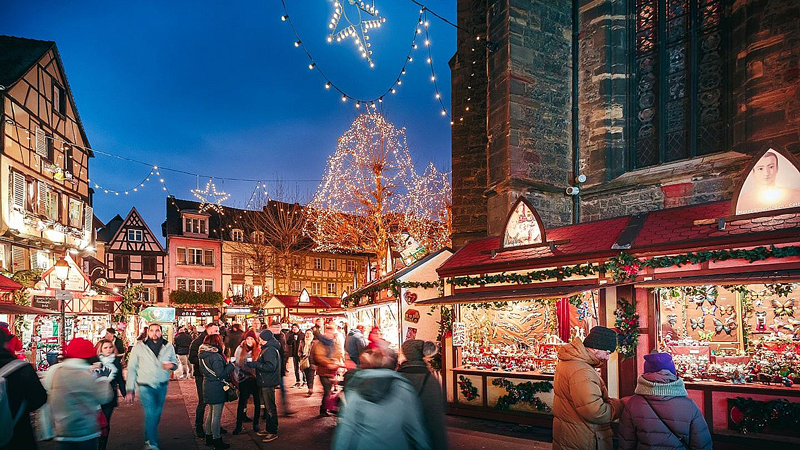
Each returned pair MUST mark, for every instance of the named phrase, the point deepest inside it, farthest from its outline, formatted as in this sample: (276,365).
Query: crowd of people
(380,397)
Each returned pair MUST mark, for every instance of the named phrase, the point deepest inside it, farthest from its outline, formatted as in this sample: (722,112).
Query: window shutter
(87,221)
(19,191)
(41,143)
(17,258)
(43,189)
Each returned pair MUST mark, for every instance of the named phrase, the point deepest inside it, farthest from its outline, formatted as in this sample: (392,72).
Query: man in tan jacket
(582,410)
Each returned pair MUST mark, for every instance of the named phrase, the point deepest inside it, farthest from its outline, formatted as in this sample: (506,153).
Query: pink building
(194,249)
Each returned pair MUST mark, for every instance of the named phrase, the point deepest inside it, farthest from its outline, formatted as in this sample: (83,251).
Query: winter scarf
(108,364)
(674,388)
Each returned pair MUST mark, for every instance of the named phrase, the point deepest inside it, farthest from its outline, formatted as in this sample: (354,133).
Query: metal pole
(62,331)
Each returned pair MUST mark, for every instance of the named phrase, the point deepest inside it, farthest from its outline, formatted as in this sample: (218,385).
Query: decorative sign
(234,311)
(103,307)
(459,334)
(523,226)
(76,280)
(154,314)
(45,302)
(188,312)
(412,315)
(772,183)
(412,250)
(411,333)
(409,297)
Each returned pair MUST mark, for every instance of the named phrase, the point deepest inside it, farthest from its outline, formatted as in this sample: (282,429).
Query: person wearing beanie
(75,393)
(24,391)
(415,369)
(268,375)
(582,409)
(659,414)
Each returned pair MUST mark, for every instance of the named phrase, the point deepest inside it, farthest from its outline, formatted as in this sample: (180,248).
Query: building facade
(656,103)
(194,249)
(45,197)
(132,255)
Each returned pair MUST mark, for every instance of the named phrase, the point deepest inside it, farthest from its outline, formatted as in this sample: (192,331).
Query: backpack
(7,421)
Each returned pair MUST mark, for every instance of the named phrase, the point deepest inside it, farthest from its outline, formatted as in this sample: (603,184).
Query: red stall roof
(8,285)
(683,228)
(293,301)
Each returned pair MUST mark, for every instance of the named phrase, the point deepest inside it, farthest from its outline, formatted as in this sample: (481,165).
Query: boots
(209,440)
(219,445)
(238,428)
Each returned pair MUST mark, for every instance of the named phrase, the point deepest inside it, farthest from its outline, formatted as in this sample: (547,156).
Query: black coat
(194,347)
(430,395)
(294,343)
(268,366)
(232,341)
(212,361)
(182,343)
(22,384)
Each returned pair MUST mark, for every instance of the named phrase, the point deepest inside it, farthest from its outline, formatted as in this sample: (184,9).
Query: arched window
(237,235)
(678,88)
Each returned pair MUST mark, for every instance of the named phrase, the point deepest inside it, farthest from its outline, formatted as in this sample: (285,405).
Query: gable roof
(682,228)
(109,230)
(134,213)
(18,55)
(293,301)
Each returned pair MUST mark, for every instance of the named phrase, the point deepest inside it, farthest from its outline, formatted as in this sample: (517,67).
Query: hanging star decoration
(211,198)
(368,19)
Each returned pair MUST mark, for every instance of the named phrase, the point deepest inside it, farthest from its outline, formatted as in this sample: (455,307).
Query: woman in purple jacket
(660,415)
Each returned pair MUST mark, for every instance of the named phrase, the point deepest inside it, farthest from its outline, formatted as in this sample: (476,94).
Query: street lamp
(61,268)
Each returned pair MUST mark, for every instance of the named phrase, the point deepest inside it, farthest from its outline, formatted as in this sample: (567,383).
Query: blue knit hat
(655,362)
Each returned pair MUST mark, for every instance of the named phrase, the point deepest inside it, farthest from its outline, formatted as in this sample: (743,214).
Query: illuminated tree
(371,195)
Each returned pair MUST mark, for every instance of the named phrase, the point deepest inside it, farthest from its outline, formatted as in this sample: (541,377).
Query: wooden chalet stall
(715,284)
(302,309)
(392,303)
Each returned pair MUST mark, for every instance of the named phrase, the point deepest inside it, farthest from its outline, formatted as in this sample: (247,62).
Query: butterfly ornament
(698,323)
(728,326)
(705,335)
(783,308)
(726,310)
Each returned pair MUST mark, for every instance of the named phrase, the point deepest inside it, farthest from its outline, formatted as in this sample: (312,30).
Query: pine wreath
(469,391)
(522,393)
(628,325)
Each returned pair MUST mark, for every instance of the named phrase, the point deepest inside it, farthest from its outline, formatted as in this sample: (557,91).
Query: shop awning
(769,276)
(8,285)
(375,304)
(13,308)
(510,295)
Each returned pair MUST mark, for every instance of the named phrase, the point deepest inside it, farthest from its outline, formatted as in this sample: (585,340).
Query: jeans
(102,442)
(309,376)
(90,444)
(271,410)
(201,407)
(185,368)
(213,419)
(248,388)
(327,383)
(152,399)
(296,361)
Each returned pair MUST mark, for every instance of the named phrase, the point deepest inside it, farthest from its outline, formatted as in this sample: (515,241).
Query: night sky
(218,88)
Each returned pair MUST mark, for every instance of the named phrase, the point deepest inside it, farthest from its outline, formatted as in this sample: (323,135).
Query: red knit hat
(79,348)
(250,333)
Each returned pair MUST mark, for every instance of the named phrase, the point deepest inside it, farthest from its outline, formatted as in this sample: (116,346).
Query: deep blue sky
(219,88)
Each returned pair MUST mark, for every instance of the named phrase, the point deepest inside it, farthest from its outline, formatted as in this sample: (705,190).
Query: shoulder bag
(231,395)
(683,441)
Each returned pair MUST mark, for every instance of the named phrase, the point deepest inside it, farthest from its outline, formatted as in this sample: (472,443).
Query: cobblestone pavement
(303,430)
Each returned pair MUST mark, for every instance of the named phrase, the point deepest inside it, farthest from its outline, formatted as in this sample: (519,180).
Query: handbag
(304,364)
(231,394)
(685,444)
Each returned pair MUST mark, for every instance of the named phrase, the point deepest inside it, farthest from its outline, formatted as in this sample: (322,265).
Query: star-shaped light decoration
(210,198)
(359,29)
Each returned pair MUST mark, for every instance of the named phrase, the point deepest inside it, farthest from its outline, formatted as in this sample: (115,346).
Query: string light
(210,198)
(430,62)
(371,194)
(358,31)
(363,47)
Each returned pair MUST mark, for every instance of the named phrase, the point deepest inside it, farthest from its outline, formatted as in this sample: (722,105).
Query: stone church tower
(657,103)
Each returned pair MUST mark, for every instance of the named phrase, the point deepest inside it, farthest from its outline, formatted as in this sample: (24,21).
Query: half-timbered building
(132,254)
(45,197)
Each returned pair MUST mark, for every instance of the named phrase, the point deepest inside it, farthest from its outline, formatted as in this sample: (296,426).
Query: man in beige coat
(582,410)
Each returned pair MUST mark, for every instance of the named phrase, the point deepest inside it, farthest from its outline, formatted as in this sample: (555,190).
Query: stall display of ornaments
(778,364)
(512,358)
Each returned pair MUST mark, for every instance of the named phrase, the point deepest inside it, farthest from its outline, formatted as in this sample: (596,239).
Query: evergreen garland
(628,325)
(751,416)
(522,392)
(469,391)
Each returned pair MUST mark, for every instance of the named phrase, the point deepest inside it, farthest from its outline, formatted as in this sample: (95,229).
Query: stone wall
(527,114)
(468,75)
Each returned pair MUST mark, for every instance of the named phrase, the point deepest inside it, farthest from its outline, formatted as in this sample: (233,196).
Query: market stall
(715,284)
(196,315)
(303,308)
(393,303)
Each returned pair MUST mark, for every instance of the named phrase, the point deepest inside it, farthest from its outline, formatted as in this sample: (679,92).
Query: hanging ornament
(358,30)
(210,197)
